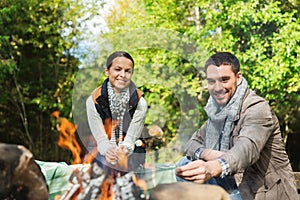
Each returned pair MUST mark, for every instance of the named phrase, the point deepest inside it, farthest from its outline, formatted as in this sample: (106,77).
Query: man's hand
(199,171)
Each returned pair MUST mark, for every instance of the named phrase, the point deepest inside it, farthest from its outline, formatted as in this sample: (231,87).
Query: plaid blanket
(57,175)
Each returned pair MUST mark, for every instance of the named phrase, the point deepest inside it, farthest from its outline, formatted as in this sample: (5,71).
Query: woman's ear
(106,71)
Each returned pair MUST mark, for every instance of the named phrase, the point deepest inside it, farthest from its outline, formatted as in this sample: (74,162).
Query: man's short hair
(224,58)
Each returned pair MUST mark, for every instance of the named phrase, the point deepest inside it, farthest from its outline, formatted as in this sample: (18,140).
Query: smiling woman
(116,112)
(120,72)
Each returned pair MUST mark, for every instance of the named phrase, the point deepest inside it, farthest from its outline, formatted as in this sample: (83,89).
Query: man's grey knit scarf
(220,121)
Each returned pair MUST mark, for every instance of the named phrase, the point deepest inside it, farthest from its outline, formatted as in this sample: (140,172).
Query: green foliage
(37,70)
(169,40)
(166,63)
(263,34)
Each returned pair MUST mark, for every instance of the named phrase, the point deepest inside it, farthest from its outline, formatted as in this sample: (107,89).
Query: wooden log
(297,178)
(188,190)
(21,178)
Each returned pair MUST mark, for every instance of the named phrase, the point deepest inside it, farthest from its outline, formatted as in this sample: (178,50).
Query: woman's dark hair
(224,58)
(118,54)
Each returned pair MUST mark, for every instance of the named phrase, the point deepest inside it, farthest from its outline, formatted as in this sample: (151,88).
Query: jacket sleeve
(96,126)
(256,128)
(137,124)
(196,141)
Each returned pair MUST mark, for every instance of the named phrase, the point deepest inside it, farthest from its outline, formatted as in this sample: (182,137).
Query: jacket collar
(103,98)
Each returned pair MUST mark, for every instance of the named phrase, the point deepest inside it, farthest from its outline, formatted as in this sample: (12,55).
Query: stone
(188,190)
(21,178)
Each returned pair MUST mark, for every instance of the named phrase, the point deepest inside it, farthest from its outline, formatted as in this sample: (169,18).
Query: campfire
(93,183)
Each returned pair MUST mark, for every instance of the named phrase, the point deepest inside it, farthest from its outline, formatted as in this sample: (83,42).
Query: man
(240,146)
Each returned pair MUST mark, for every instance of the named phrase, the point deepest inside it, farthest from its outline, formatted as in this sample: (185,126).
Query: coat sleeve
(137,124)
(256,128)
(196,141)
(96,127)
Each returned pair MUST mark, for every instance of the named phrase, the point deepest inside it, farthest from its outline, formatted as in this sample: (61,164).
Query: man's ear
(239,77)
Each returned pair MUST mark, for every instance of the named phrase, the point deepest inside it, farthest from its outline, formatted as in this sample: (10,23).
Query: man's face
(222,82)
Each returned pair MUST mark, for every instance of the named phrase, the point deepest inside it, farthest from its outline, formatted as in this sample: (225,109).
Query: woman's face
(120,73)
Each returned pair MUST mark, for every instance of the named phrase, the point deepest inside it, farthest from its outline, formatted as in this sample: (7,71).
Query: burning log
(21,178)
(96,184)
(86,185)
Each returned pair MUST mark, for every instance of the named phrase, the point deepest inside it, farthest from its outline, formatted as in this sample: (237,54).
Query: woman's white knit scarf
(220,121)
(117,104)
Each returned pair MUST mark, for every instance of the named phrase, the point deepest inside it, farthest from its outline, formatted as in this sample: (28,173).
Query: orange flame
(140,182)
(107,189)
(88,158)
(67,138)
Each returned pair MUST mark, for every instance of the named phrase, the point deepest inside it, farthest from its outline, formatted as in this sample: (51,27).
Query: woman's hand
(123,149)
(111,155)
(122,158)
(115,154)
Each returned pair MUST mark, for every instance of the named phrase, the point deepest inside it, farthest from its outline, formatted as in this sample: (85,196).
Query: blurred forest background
(52,54)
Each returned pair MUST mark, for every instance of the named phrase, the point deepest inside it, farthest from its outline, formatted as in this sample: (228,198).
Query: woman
(116,112)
